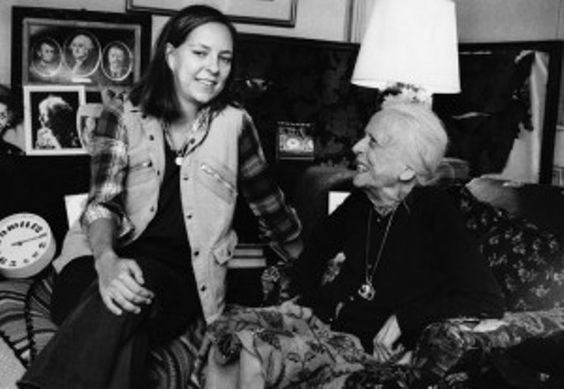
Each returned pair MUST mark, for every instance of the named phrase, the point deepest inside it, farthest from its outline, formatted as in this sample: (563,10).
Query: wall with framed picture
(69,47)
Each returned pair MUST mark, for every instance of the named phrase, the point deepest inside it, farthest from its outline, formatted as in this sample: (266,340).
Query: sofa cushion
(26,327)
(527,263)
(12,368)
(24,315)
(525,259)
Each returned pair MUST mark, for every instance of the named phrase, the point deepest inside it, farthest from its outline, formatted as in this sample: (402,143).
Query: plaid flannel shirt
(277,221)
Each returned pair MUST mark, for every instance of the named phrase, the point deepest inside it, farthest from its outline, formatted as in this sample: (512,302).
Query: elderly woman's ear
(407,175)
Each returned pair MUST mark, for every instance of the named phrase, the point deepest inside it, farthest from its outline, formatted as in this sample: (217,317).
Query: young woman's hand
(120,282)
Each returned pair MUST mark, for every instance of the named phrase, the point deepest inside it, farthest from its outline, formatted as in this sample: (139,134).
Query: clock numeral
(3,260)
(42,245)
(26,261)
(13,263)
(35,254)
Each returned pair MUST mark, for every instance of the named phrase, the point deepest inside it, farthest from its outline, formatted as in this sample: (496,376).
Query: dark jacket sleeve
(471,289)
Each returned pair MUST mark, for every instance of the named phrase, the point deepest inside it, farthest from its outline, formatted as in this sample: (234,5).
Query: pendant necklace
(181,152)
(366,290)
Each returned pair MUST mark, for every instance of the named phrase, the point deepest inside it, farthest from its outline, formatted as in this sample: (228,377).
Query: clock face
(293,144)
(26,245)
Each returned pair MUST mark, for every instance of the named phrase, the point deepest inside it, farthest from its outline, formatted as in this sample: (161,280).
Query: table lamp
(410,46)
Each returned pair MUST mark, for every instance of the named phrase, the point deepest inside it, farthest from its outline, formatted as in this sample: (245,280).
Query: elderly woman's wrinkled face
(380,155)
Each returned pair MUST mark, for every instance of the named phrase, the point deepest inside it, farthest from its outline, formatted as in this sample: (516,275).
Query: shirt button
(192,141)
(150,164)
(203,288)
(196,253)
(152,209)
(151,137)
(185,178)
(189,216)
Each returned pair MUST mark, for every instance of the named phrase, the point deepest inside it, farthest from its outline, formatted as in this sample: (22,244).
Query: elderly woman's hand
(384,340)
(290,307)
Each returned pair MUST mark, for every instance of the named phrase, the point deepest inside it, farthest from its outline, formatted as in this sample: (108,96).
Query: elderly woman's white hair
(50,107)
(421,132)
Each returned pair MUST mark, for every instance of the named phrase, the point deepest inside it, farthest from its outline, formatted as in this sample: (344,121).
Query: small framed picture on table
(294,141)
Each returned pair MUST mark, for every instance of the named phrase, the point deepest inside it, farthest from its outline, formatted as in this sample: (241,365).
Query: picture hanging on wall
(281,13)
(50,113)
(67,47)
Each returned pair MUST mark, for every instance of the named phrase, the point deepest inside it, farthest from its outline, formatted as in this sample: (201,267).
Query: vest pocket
(223,250)
(139,172)
(218,182)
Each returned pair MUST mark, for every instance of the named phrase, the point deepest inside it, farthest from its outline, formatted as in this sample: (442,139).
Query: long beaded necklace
(366,290)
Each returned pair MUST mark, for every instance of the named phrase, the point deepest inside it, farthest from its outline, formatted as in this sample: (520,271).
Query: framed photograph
(68,47)
(295,141)
(280,13)
(50,124)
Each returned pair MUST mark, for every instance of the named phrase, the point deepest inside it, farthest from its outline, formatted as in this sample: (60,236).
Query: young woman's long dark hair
(155,92)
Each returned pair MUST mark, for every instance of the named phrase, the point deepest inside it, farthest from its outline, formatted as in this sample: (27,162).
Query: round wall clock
(27,245)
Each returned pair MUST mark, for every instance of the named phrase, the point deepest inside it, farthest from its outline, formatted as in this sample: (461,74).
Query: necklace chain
(366,290)
(181,151)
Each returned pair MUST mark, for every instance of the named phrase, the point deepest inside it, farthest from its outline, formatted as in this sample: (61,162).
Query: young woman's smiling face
(201,65)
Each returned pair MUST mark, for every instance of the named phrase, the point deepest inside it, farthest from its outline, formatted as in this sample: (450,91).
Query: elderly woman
(408,261)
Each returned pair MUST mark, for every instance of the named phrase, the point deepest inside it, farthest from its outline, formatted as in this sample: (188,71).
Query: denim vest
(208,190)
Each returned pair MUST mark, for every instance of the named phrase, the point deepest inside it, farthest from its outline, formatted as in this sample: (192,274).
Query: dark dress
(430,268)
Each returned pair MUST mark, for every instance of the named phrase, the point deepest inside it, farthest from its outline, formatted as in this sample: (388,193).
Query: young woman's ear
(407,175)
(169,56)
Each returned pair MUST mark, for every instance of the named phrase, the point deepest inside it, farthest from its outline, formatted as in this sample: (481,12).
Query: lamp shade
(410,42)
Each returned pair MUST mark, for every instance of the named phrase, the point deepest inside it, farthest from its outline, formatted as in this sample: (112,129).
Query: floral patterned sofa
(519,231)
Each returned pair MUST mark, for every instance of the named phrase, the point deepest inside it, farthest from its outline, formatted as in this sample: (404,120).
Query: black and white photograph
(117,62)
(252,194)
(66,47)
(82,56)
(50,113)
(46,60)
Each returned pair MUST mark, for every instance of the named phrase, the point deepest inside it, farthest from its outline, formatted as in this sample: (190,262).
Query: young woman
(149,256)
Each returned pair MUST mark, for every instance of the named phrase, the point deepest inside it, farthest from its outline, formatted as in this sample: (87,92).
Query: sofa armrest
(446,344)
